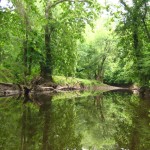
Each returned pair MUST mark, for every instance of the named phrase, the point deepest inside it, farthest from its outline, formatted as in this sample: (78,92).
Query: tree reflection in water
(54,127)
(111,120)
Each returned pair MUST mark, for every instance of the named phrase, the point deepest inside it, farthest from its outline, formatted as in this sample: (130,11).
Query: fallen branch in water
(7,84)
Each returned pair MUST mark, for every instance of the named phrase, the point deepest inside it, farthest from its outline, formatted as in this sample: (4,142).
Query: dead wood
(7,84)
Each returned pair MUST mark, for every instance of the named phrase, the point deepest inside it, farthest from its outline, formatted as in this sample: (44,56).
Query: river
(112,120)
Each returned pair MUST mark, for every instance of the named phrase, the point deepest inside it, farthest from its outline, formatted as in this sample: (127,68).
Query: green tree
(134,31)
(47,33)
(65,21)
(96,53)
(28,14)
(10,44)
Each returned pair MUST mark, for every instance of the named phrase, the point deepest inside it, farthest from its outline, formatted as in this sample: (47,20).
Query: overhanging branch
(61,1)
(126,6)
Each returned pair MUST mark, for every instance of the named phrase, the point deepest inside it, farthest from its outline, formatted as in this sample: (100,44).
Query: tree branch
(61,1)
(126,6)
(142,2)
(143,21)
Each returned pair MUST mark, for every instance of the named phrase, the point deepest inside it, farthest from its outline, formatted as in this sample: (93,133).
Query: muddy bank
(106,87)
(8,89)
(40,85)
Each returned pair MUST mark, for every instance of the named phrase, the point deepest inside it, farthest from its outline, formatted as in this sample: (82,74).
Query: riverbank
(60,84)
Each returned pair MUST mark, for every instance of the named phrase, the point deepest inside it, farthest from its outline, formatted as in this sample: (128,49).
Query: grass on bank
(7,76)
(72,81)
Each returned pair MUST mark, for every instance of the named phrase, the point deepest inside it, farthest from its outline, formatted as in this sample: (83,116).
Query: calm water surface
(106,121)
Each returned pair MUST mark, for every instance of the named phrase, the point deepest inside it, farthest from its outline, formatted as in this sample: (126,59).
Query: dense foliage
(41,37)
(96,53)
(119,53)
(134,33)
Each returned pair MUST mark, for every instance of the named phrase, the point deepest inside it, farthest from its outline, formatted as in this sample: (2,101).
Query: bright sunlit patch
(5,3)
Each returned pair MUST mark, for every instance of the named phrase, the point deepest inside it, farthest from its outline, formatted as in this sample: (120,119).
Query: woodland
(58,59)
(83,39)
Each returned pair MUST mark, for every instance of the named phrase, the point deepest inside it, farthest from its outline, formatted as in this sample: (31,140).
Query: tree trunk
(101,70)
(25,59)
(46,68)
(25,46)
(30,61)
(144,22)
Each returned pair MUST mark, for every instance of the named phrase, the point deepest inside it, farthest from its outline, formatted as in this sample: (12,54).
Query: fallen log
(9,93)
(43,88)
(6,84)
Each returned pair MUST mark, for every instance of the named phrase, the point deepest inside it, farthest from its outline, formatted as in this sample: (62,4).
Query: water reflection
(106,121)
